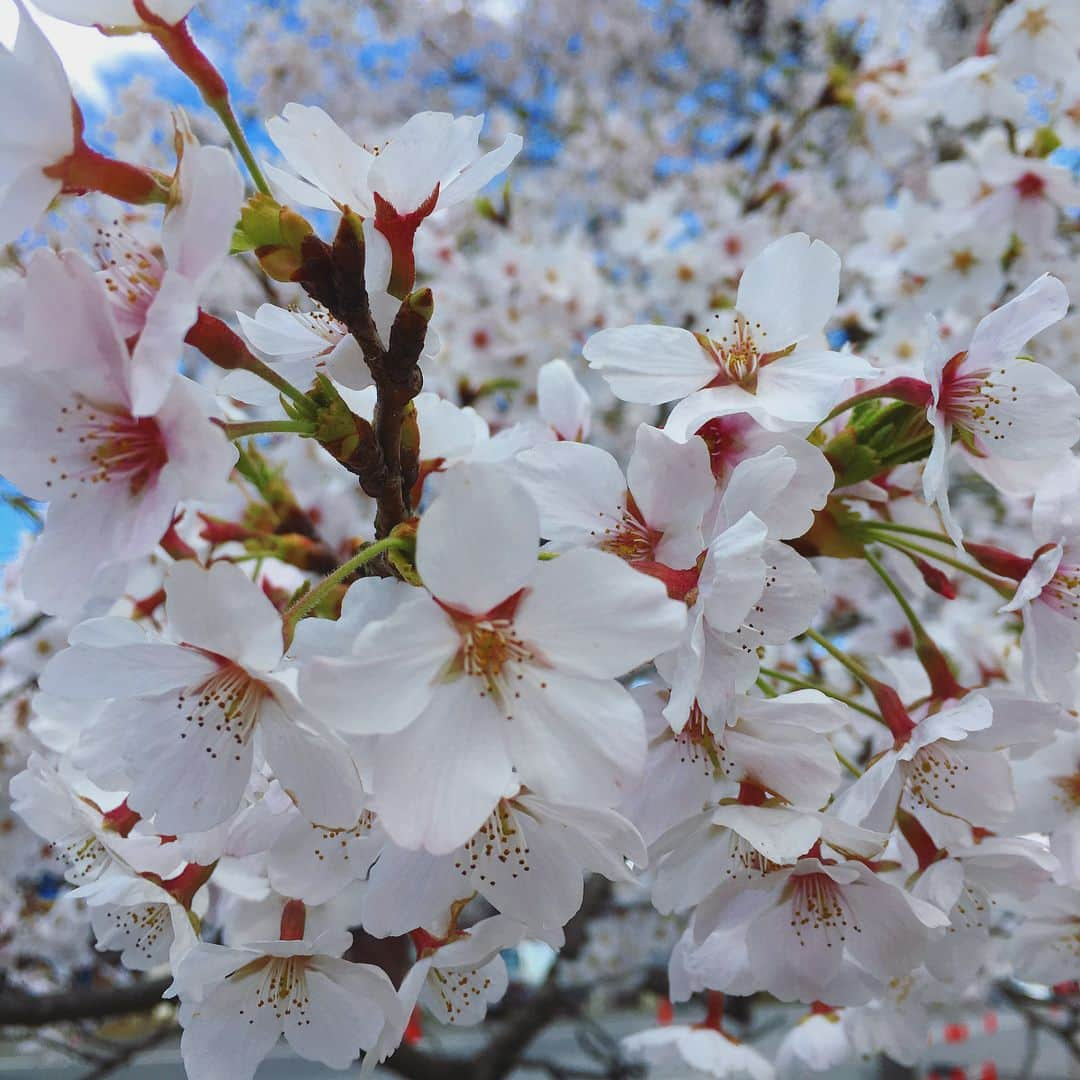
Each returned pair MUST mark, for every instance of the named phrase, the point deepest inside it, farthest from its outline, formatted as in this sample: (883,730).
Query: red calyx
(179,46)
(400,232)
(424,943)
(1030,186)
(679,583)
(750,794)
(121,819)
(926,851)
(218,531)
(935,578)
(998,560)
(183,886)
(892,710)
(293,921)
(218,343)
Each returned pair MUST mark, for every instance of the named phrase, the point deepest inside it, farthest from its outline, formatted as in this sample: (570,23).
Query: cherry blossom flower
(455,978)
(507,661)
(140,919)
(527,860)
(432,162)
(187,716)
(998,405)
(824,931)
(762,355)
(237,1002)
(936,768)
(654,514)
(966,886)
(73,435)
(85,837)
(1045,946)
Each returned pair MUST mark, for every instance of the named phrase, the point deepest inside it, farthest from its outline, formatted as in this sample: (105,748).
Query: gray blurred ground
(1006,1049)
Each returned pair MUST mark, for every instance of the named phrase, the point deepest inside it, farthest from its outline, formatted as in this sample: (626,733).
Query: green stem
(842,658)
(765,688)
(802,684)
(848,764)
(265,427)
(898,596)
(893,526)
(907,547)
(279,382)
(224,110)
(314,596)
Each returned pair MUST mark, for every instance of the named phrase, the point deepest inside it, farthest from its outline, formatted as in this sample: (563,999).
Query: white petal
(790,289)
(650,365)
(1003,333)
(589,613)
(222,610)
(436,782)
(477,544)
(576,740)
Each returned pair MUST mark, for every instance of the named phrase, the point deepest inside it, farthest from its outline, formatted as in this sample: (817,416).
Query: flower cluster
(357,637)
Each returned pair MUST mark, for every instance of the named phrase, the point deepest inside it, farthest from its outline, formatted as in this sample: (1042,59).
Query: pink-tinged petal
(782,836)
(389,679)
(790,290)
(649,365)
(156,357)
(82,537)
(590,614)
(1002,335)
(436,782)
(576,740)
(477,544)
(314,767)
(197,232)
(804,386)
(314,862)
(673,485)
(578,489)
(69,325)
(795,954)
(222,610)
(201,457)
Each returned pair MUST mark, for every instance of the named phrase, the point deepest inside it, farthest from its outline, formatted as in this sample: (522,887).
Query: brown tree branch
(18,1009)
